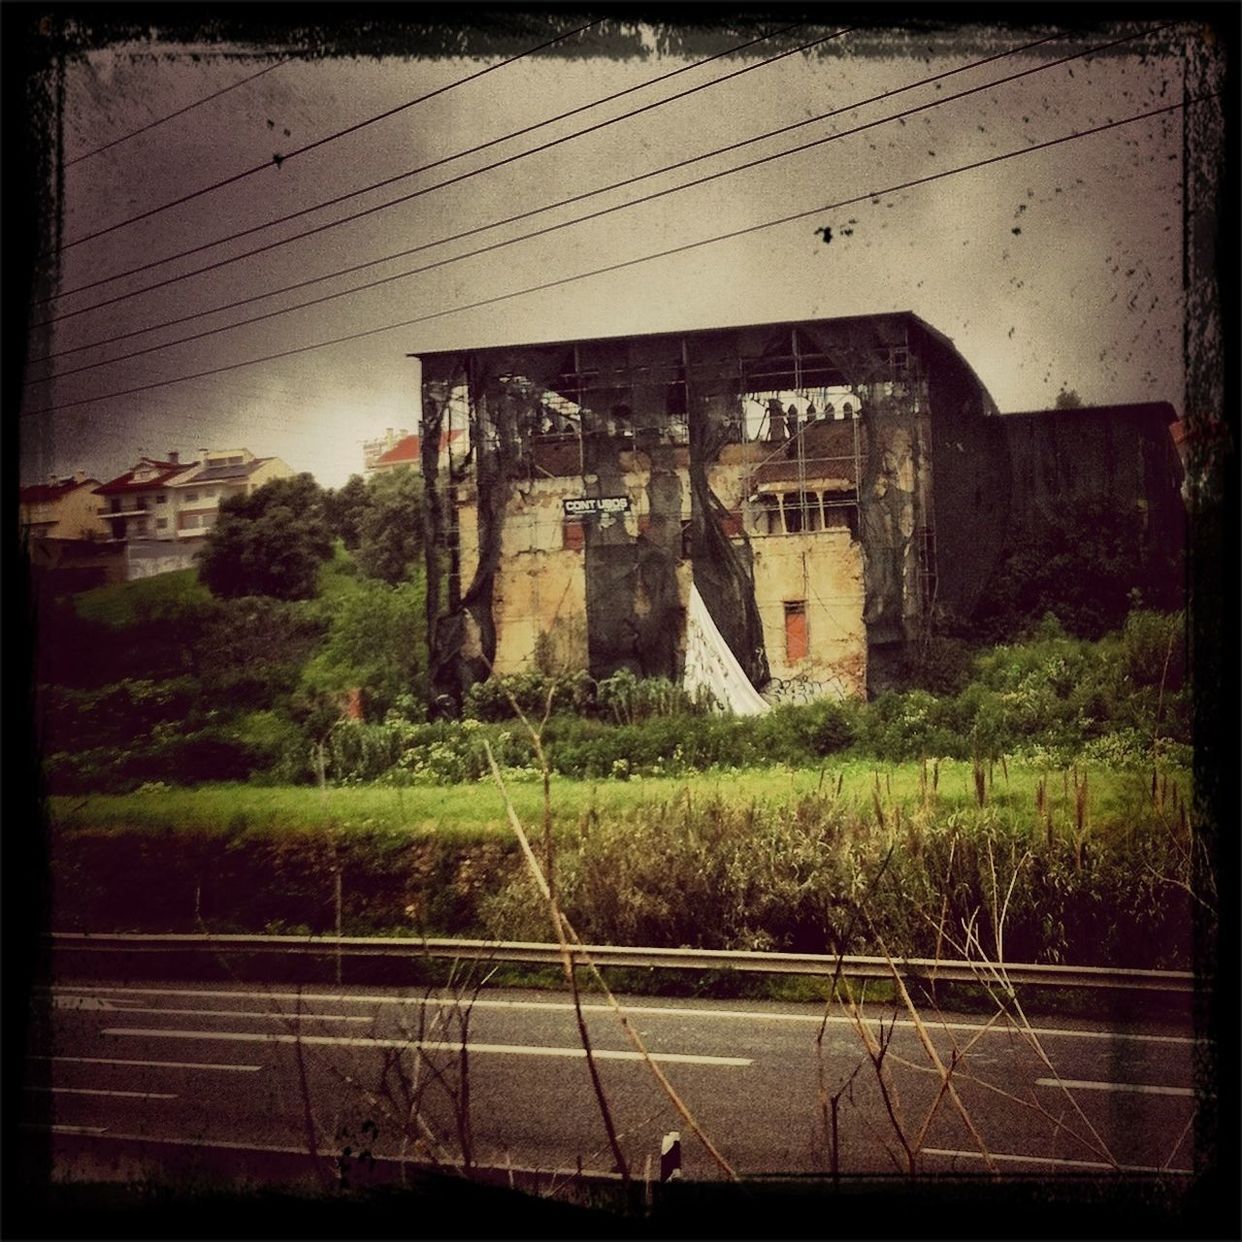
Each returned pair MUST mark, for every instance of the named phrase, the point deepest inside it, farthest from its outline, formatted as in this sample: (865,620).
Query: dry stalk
(934,1057)
(1057,1122)
(406,1115)
(993,977)
(565,933)
(829,1104)
(877,1051)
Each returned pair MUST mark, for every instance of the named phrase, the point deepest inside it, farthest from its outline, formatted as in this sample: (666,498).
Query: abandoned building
(773,511)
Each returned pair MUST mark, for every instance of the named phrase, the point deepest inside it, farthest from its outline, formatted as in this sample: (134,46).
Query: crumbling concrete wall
(656,421)
(823,572)
(539,593)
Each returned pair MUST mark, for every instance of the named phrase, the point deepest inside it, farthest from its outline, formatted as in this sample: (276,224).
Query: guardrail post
(337,896)
(670,1156)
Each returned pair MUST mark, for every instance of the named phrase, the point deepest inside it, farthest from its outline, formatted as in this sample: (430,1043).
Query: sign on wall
(585,506)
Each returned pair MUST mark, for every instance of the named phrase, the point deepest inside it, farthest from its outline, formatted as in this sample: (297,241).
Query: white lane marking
(262,1014)
(345,1041)
(656,1011)
(1002,1157)
(129,1095)
(188,1065)
(1136,1087)
(87,1002)
(61,1129)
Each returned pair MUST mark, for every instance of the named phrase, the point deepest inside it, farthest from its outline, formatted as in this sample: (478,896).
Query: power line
(405,198)
(615,267)
(77,159)
(523,215)
(552,228)
(517,133)
(279,160)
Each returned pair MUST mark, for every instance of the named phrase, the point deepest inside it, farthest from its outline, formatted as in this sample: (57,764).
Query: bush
(720,874)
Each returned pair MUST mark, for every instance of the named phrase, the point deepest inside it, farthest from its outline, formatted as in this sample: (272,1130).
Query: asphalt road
(283,1068)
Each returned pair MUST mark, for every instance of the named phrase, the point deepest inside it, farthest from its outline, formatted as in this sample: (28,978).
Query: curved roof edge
(946,342)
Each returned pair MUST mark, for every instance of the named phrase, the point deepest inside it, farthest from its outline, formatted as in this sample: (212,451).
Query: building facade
(406,452)
(196,493)
(163,507)
(812,493)
(62,509)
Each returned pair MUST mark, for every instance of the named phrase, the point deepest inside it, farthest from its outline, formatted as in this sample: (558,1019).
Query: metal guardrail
(531,953)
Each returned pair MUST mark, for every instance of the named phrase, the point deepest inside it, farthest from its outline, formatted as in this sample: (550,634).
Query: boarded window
(573,536)
(795,631)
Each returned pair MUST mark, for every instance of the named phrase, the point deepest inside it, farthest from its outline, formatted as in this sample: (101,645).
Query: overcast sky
(1061,267)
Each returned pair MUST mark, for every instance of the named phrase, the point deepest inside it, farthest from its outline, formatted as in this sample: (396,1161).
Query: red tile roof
(42,493)
(125,482)
(408,450)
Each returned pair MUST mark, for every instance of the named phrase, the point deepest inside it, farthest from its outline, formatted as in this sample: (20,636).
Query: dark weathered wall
(970,480)
(1120,454)
(945,484)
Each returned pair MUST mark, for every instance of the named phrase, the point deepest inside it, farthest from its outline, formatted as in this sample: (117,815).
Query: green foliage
(622,698)
(493,699)
(1084,564)
(148,628)
(155,598)
(271,542)
(727,873)
(375,642)
(169,754)
(344,508)
(1051,697)
(390,526)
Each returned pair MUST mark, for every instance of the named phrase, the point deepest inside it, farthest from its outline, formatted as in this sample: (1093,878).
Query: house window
(161,498)
(161,523)
(191,496)
(795,631)
(190,521)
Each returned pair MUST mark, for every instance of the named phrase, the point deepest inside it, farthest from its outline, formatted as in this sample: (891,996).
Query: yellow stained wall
(823,570)
(75,515)
(540,586)
(539,596)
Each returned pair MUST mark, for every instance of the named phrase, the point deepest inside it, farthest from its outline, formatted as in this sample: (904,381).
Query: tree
(375,642)
(391,526)
(345,508)
(271,542)
(1068,399)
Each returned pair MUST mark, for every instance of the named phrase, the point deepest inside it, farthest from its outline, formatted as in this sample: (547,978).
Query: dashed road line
(639,1010)
(186,1065)
(129,1095)
(529,1050)
(1137,1088)
(64,1129)
(1055,1161)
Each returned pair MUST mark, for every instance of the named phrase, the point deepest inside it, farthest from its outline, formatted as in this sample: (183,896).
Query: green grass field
(1115,801)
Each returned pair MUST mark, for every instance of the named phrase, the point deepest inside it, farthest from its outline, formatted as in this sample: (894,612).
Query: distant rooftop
(43,493)
(213,474)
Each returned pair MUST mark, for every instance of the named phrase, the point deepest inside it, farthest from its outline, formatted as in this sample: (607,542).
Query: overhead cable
(279,160)
(198,103)
(626,263)
(552,228)
(523,215)
(405,198)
